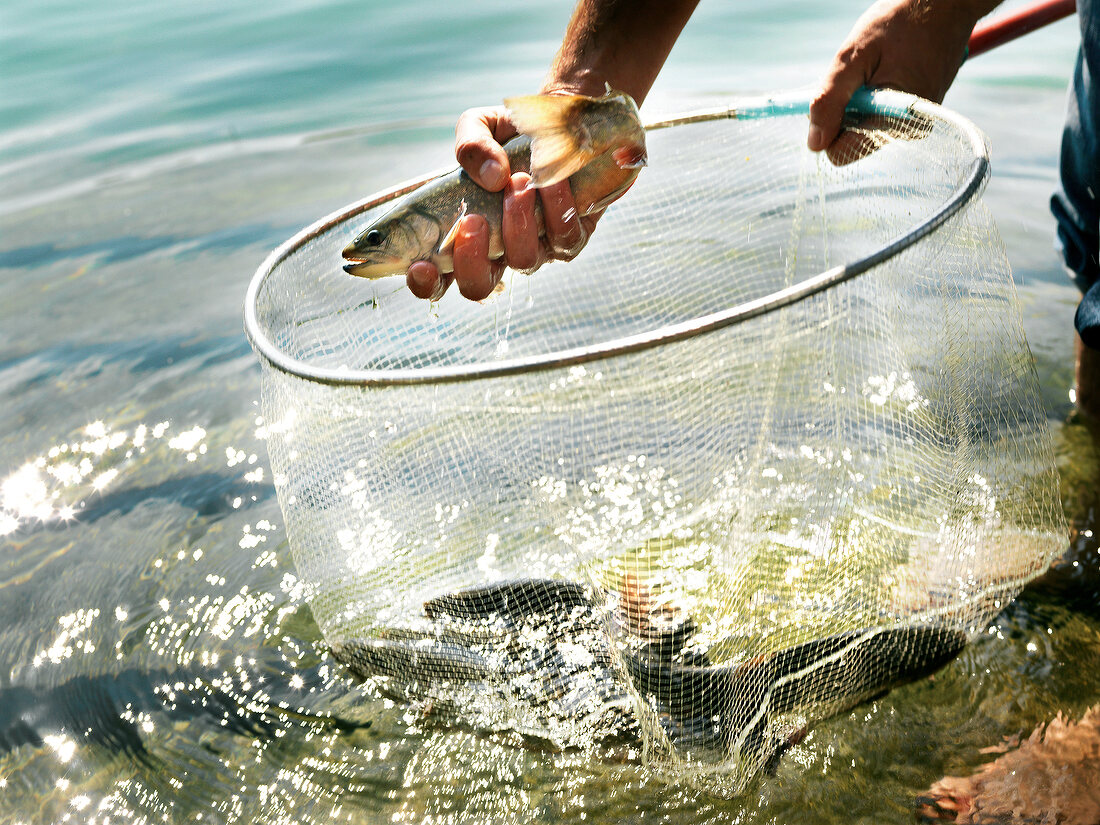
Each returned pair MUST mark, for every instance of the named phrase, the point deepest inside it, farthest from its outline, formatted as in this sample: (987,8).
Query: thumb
(845,76)
(478,135)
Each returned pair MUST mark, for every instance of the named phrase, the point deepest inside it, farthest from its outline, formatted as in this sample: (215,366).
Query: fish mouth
(375,267)
(353,253)
(372,263)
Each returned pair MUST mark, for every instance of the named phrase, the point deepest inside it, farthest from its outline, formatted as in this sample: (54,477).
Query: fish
(596,143)
(547,649)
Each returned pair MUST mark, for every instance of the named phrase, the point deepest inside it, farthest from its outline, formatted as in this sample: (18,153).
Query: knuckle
(848,55)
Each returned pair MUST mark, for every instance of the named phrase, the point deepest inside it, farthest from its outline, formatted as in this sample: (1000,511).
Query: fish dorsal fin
(560,143)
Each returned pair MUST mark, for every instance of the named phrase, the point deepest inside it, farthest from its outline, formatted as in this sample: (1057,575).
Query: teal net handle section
(880,102)
(865,101)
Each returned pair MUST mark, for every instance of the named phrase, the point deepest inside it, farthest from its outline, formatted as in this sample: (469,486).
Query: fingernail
(815,138)
(490,173)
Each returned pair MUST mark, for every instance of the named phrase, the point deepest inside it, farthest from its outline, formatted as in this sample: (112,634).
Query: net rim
(866,102)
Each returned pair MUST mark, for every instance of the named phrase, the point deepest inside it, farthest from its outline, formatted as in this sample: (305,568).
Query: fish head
(391,243)
(613,124)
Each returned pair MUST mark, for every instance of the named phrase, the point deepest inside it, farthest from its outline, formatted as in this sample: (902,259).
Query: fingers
(479,134)
(851,69)
(871,133)
(849,147)
(520,232)
(474,273)
(565,234)
(424,280)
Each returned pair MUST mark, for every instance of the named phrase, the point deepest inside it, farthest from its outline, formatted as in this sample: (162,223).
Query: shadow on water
(103,710)
(114,710)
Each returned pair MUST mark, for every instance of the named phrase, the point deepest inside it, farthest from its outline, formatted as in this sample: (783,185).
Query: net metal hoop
(865,102)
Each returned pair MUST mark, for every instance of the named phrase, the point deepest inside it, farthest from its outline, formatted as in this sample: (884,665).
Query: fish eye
(374,238)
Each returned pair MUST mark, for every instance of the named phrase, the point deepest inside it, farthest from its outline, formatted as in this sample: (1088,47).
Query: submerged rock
(1052,777)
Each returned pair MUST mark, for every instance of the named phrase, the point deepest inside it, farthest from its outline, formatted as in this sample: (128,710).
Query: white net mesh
(697,547)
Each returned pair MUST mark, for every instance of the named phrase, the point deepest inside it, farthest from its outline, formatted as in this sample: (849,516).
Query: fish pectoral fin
(560,143)
(555,158)
(447,244)
(607,200)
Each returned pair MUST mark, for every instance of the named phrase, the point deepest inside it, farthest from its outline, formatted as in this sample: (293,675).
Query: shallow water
(157,657)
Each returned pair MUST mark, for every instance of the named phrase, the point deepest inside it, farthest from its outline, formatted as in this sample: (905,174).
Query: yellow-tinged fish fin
(560,143)
(447,244)
(609,199)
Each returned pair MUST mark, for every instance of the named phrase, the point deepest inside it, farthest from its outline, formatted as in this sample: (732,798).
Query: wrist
(577,81)
(971,10)
(617,43)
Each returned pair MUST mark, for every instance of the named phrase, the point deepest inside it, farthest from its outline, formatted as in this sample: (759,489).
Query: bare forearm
(623,43)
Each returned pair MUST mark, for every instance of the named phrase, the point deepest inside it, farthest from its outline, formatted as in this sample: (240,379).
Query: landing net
(771,445)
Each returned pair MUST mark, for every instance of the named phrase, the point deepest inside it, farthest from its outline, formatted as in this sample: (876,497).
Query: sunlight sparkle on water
(61,745)
(190,442)
(55,485)
(104,478)
(68,641)
(24,495)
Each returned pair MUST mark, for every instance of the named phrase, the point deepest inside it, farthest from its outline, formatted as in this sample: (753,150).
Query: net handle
(997,32)
(865,101)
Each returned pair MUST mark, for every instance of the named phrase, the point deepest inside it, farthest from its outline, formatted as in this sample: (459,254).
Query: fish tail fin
(560,143)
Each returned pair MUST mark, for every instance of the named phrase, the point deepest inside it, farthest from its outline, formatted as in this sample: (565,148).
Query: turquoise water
(157,657)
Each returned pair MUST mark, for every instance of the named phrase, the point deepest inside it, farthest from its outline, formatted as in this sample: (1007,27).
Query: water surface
(158,660)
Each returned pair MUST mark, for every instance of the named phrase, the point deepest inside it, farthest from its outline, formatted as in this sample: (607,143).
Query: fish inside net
(637,500)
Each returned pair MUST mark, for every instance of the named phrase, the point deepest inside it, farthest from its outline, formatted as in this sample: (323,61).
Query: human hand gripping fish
(581,153)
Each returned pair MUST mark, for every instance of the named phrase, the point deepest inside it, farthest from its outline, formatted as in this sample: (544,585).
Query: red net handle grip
(1009,27)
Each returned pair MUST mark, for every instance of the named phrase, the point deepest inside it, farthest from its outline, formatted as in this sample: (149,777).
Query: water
(157,657)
